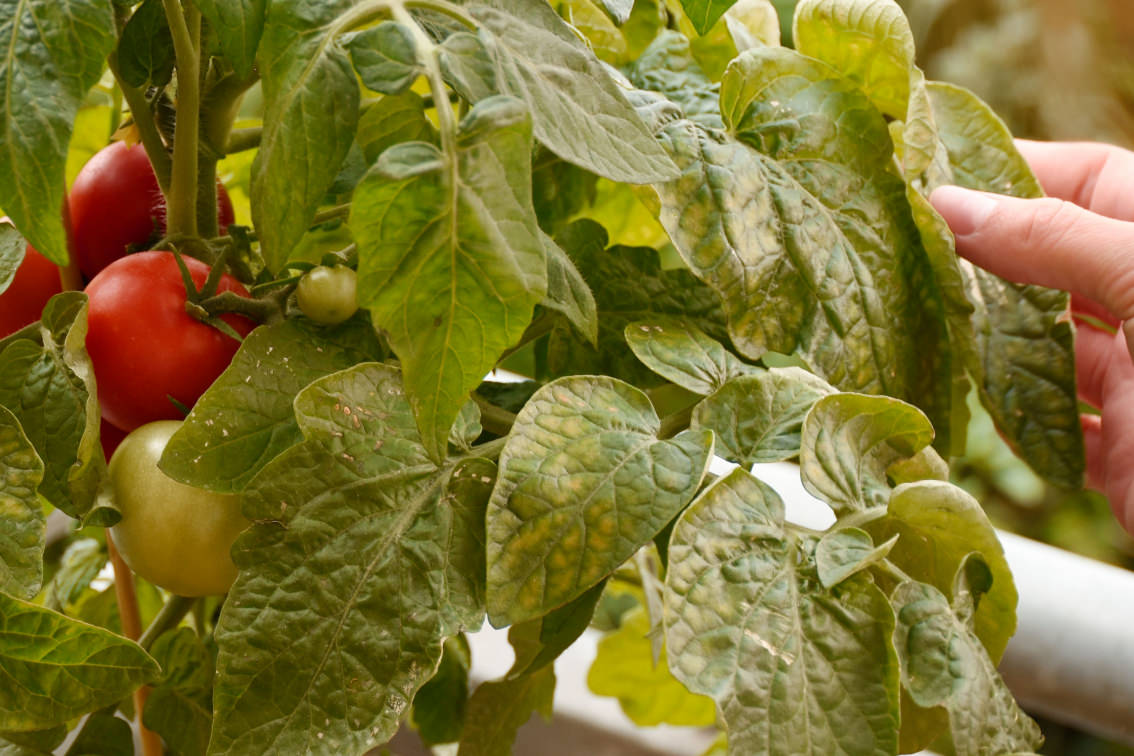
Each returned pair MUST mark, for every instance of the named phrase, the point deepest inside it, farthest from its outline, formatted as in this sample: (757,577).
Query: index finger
(1092,175)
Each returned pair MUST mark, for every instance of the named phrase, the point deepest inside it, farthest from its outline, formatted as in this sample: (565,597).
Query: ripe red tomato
(116,202)
(36,281)
(144,346)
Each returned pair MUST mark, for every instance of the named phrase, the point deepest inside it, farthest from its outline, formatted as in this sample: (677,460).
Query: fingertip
(965,210)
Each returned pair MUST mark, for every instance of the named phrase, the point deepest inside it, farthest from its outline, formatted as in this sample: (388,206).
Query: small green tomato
(175,536)
(328,295)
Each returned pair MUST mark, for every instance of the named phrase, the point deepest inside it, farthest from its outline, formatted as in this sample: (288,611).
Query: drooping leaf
(794,667)
(867,41)
(449,265)
(51,54)
(81,563)
(396,546)
(179,707)
(23,525)
(385,57)
(105,735)
(705,13)
(841,553)
(808,238)
(48,388)
(1024,355)
(849,442)
(584,483)
(303,70)
(499,708)
(246,418)
(758,417)
(680,352)
(568,293)
(532,54)
(539,642)
(943,663)
(238,25)
(54,669)
(12,248)
(624,668)
(939,525)
(440,705)
(145,49)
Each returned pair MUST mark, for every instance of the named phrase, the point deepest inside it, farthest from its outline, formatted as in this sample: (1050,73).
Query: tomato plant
(175,536)
(146,350)
(116,204)
(35,282)
(786,294)
(328,295)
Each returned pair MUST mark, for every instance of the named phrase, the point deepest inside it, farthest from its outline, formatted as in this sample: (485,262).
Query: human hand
(1080,239)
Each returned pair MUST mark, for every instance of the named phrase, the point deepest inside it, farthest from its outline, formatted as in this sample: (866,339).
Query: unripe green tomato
(328,295)
(176,536)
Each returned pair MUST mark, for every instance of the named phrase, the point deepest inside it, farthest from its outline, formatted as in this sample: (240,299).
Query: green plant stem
(167,619)
(266,309)
(240,140)
(496,420)
(673,424)
(331,213)
(446,119)
(185,25)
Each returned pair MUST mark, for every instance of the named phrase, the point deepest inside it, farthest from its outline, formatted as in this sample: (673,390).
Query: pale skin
(1081,239)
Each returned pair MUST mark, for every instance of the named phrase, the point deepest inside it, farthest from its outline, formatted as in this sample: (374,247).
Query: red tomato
(36,281)
(116,203)
(144,346)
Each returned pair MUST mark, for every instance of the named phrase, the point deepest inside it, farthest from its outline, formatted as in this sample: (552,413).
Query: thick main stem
(185,25)
(132,628)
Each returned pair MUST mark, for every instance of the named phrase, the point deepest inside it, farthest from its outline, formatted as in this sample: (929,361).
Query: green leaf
(535,56)
(560,191)
(808,239)
(939,526)
(753,23)
(238,25)
(54,669)
(624,668)
(680,352)
(34,741)
(179,707)
(449,265)
(584,483)
(844,552)
(705,13)
(81,563)
(439,707)
(394,119)
(629,285)
(12,247)
(668,66)
(51,54)
(758,418)
(145,49)
(596,26)
(303,71)
(48,388)
(794,667)
(104,735)
(246,417)
(943,663)
(385,57)
(568,293)
(849,442)
(396,546)
(539,642)
(867,41)
(1024,356)
(499,708)
(23,525)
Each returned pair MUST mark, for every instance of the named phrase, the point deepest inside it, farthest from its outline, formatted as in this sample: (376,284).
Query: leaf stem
(132,628)
(494,419)
(331,213)
(167,619)
(446,119)
(241,140)
(185,25)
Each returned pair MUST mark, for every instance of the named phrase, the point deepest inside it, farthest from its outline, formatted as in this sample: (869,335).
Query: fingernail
(965,210)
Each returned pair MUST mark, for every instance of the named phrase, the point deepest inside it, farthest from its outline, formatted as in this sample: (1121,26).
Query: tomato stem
(171,613)
(240,140)
(185,25)
(494,419)
(132,628)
